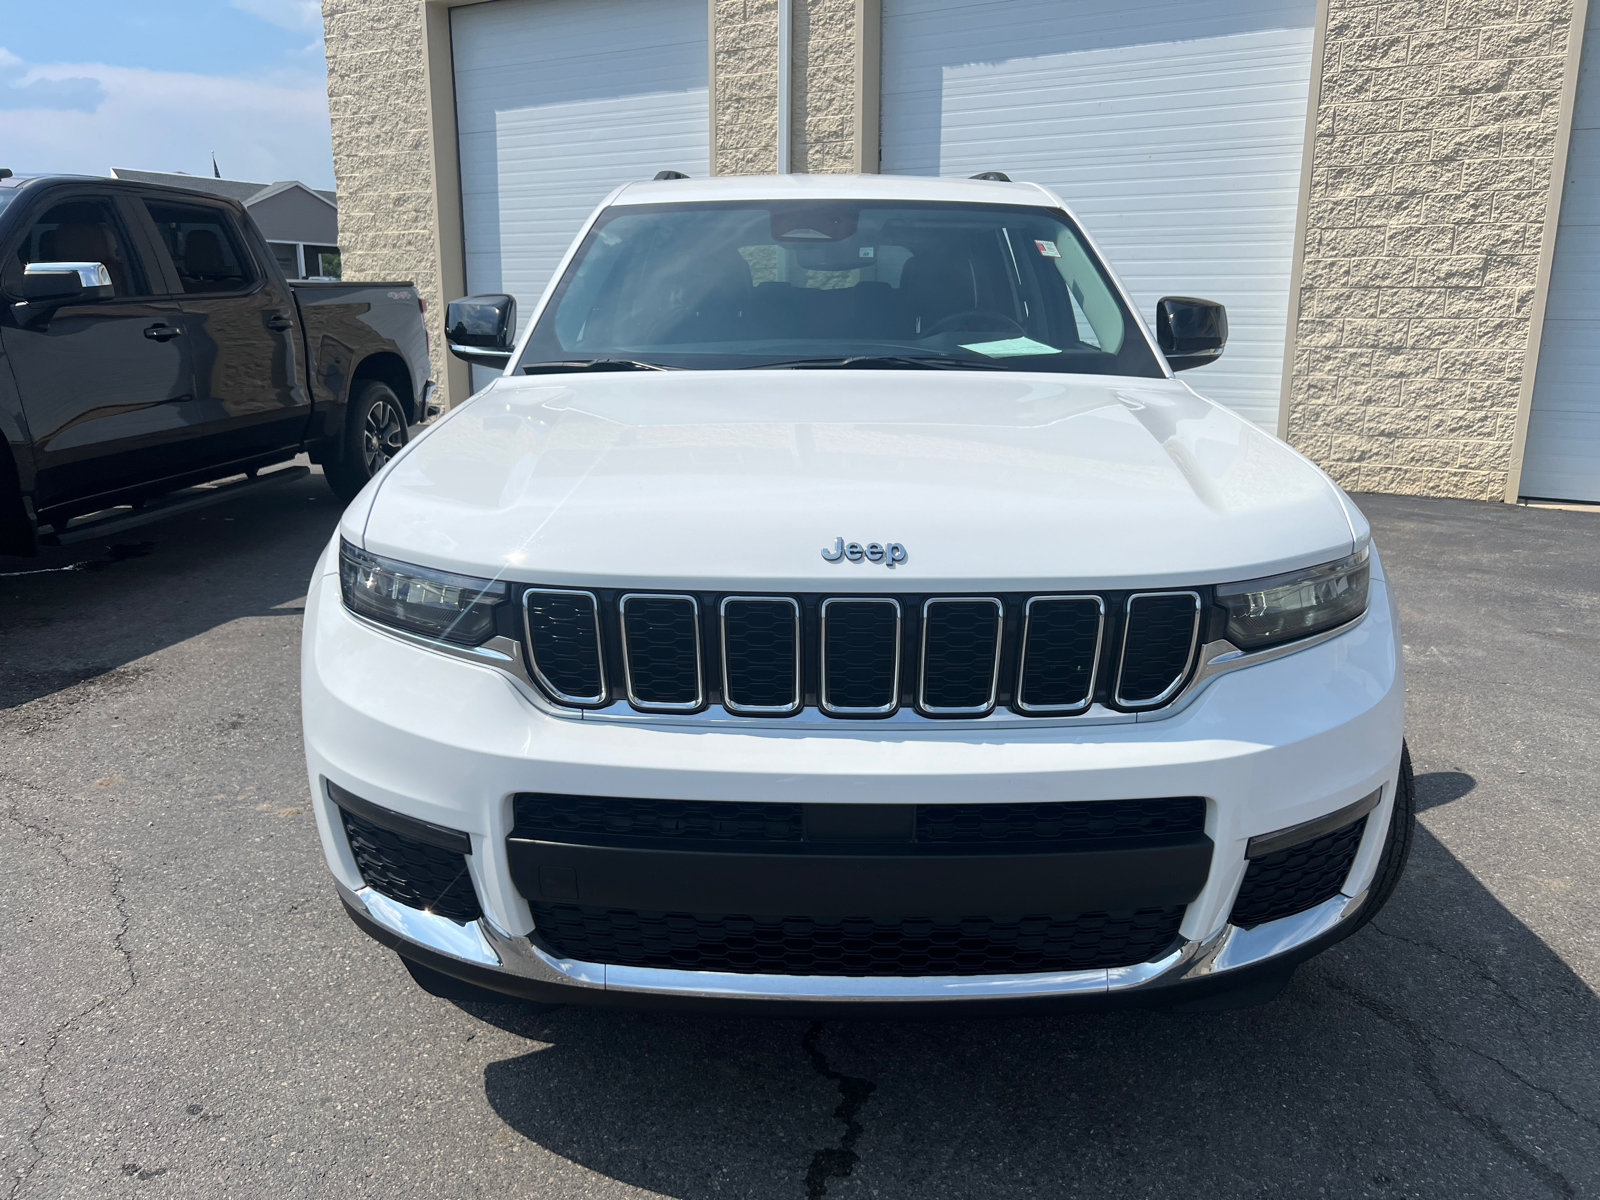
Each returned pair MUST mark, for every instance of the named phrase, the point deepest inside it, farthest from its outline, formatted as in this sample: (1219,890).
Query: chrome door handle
(278,323)
(162,333)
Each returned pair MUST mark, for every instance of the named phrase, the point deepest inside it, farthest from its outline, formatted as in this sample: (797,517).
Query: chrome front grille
(864,657)
(661,652)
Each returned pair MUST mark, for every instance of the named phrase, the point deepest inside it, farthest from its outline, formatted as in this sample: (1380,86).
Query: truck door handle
(278,322)
(162,333)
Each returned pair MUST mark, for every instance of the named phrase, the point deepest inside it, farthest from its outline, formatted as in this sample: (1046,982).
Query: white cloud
(270,128)
(299,15)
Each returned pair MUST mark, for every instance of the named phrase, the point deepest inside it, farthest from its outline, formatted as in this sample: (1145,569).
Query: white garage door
(558,102)
(1174,128)
(1562,458)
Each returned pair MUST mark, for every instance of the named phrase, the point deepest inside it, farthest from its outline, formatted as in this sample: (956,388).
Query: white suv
(838,600)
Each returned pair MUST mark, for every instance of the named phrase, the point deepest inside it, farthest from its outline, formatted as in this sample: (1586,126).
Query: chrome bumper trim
(481,944)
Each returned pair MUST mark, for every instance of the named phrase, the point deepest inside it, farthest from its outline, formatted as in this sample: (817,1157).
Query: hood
(734,480)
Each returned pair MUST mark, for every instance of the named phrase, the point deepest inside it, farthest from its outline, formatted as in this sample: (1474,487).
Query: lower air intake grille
(1158,645)
(1088,822)
(856,946)
(661,645)
(1296,879)
(412,872)
(585,819)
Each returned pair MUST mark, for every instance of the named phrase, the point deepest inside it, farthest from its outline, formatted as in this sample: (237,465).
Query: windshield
(750,284)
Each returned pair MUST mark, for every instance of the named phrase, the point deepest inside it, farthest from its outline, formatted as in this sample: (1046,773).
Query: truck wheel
(1402,825)
(374,432)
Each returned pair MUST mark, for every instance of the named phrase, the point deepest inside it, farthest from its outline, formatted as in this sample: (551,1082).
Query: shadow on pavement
(1443,1050)
(170,580)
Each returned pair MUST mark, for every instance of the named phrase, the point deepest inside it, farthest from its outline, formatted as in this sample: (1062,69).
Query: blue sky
(86,85)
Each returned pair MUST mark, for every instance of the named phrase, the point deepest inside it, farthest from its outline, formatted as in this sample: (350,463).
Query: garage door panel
(1174,130)
(558,102)
(1561,459)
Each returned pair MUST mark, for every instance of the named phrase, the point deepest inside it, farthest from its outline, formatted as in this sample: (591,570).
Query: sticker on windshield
(1010,348)
(1048,249)
(868,251)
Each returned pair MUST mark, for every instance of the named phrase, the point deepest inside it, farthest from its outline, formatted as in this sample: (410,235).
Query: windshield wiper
(914,362)
(593,364)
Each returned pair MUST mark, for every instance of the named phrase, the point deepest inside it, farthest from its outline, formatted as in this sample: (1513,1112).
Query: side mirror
(64,282)
(1191,332)
(481,329)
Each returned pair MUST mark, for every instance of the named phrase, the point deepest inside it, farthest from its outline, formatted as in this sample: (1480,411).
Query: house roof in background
(235,189)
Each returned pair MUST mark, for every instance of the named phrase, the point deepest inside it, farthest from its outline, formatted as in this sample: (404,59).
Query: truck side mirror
(64,282)
(482,329)
(1191,332)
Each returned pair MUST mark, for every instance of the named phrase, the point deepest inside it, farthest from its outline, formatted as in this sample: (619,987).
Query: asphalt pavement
(185,1010)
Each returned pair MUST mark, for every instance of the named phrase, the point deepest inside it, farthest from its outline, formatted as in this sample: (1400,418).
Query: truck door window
(78,230)
(204,246)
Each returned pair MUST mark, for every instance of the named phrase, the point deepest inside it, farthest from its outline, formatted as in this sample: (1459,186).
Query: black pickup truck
(149,342)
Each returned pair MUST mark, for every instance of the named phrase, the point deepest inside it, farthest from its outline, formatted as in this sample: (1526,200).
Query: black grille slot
(600,820)
(960,655)
(860,656)
(412,872)
(1060,650)
(1091,822)
(563,630)
(856,946)
(760,655)
(1301,877)
(661,652)
(1157,646)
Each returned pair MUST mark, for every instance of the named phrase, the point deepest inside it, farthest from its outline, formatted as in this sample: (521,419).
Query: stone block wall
(382,158)
(1436,129)
(744,87)
(823,129)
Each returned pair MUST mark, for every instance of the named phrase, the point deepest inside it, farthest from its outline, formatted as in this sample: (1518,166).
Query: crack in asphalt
(1478,968)
(1526,1082)
(56,842)
(1422,1064)
(835,1162)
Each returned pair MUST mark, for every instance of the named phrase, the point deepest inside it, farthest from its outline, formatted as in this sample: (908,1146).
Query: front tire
(1397,847)
(375,431)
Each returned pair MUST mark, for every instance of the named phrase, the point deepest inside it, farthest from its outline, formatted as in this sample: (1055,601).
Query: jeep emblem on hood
(888,553)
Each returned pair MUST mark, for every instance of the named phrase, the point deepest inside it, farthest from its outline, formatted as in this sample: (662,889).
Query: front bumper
(451,743)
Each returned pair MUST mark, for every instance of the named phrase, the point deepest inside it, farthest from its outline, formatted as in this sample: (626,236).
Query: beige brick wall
(1435,138)
(823,125)
(744,87)
(382,162)
(822,129)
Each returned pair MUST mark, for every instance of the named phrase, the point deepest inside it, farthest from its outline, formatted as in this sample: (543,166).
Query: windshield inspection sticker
(1010,348)
(1048,249)
(868,251)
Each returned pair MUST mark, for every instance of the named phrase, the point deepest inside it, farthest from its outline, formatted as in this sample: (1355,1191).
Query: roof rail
(671,175)
(993,176)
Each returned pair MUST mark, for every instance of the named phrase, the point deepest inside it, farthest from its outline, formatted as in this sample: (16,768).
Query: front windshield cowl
(849,284)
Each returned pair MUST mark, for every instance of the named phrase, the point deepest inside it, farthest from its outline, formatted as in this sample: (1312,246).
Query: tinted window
(204,247)
(743,284)
(84,230)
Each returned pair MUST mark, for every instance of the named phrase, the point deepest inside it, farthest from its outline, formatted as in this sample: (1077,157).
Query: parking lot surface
(186,1011)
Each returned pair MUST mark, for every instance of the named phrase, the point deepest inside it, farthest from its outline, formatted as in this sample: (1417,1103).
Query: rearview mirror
(64,282)
(482,329)
(1191,332)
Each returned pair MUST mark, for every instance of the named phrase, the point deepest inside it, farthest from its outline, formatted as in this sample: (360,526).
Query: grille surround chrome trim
(648,706)
(838,711)
(762,710)
(1122,651)
(1094,664)
(994,675)
(539,676)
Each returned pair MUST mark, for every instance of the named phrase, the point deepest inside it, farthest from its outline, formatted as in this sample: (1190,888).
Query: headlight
(437,604)
(1265,612)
